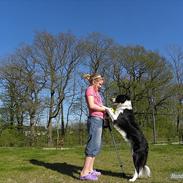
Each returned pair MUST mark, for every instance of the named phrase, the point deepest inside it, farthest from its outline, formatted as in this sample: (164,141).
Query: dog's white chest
(121,132)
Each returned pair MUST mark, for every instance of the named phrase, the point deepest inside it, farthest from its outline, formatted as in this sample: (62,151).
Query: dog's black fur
(125,123)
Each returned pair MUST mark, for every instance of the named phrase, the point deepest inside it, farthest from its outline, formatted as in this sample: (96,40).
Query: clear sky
(155,24)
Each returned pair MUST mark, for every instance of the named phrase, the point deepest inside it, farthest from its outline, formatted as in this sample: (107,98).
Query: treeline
(41,84)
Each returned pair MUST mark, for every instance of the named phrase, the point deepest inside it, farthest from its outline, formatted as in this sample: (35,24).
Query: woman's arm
(93,106)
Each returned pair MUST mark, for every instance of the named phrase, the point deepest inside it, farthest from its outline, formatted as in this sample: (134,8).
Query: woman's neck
(95,88)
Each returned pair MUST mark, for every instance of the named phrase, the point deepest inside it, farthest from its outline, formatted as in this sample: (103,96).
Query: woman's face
(98,84)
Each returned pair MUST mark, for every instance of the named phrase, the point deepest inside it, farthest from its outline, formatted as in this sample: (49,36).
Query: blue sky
(155,24)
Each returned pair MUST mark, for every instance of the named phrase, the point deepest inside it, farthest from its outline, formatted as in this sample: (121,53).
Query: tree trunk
(32,128)
(154,127)
(49,126)
(50,139)
(178,121)
(11,117)
(62,121)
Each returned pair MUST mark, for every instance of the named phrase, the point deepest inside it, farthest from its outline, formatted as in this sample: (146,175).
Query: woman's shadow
(71,170)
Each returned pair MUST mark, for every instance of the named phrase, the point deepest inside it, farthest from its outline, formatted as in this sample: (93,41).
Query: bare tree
(175,53)
(23,82)
(97,47)
(79,110)
(14,91)
(34,81)
(58,56)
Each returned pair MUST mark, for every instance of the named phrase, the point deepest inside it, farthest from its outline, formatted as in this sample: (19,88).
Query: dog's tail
(145,172)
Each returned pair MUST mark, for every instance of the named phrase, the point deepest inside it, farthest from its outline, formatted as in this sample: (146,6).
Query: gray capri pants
(94,126)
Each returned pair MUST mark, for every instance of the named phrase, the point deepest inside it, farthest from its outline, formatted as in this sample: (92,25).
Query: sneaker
(89,177)
(95,172)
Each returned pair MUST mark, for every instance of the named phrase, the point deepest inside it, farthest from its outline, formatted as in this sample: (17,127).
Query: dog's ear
(127,97)
(122,98)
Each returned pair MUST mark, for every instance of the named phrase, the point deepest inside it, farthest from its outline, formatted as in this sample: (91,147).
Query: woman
(94,124)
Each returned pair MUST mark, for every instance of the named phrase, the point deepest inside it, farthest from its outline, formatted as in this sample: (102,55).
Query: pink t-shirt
(97,100)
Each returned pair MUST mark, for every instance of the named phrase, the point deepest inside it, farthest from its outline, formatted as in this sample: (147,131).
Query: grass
(34,165)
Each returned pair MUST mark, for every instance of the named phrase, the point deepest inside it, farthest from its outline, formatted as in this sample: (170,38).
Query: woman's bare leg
(88,164)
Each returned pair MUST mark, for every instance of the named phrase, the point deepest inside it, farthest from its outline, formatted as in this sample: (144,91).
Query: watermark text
(176,176)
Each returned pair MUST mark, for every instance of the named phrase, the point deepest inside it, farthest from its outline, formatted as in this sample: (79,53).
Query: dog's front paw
(109,110)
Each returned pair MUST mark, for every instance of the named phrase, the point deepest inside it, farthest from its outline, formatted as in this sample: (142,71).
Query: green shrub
(11,137)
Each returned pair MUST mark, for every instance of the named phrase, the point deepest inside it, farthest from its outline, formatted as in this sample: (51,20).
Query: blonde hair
(92,77)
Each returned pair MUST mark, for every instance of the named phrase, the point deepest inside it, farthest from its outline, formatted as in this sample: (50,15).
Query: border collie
(124,122)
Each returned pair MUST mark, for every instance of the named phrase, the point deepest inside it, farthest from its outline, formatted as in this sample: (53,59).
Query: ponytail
(87,77)
(92,77)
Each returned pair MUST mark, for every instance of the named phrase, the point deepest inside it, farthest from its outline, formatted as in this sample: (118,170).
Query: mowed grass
(34,165)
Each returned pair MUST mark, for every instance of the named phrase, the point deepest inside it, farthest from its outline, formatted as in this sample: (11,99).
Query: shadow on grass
(70,170)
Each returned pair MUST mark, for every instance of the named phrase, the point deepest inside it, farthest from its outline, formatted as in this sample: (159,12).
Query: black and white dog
(124,122)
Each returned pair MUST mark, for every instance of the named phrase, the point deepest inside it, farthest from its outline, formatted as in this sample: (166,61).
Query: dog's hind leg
(147,171)
(135,176)
(136,162)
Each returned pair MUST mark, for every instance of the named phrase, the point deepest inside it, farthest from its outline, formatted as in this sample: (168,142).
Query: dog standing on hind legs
(124,122)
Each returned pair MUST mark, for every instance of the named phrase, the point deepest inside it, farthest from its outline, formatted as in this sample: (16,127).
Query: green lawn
(29,165)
